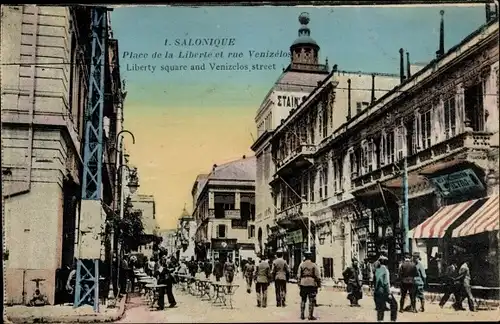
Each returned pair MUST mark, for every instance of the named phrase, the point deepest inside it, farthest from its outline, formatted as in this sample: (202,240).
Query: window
(352,162)
(221,231)
(251,231)
(411,143)
(449,117)
(399,145)
(425,128)
(388,147)
(311,186)
(325,122)
(337,174)
(325,180)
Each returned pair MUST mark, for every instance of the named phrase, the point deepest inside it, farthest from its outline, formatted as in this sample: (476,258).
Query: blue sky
(354,38)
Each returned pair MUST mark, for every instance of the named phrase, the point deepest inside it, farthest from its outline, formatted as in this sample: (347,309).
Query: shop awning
(436,225)
(485,219)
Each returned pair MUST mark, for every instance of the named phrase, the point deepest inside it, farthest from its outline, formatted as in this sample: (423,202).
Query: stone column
(211,200)
(237,200)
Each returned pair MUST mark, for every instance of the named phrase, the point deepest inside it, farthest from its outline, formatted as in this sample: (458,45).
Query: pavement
(64,314)
(333,307)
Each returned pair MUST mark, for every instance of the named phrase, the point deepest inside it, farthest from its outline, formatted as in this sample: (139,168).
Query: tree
(129,230)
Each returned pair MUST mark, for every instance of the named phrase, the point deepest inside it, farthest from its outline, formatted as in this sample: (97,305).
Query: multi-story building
(185,236)
(345,170)
(45,82)
(294,84)
(146,204)
(224,207)
(169,237)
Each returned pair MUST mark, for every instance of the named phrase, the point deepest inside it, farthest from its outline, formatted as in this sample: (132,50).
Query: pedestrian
(352,277)
(248,273)
(420,281)
(280,275)
(309,281)
(150,267)
(169,282)
(218,270)
(229,269)
(450,285)
(262,276)
(162,279)
(207,269)
(382,293)
(192,267)
(407,275)
(464,278)
(367,272)
(243,264)
(71,283)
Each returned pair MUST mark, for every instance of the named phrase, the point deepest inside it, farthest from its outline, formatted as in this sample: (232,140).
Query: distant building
(146,204)
(224,207)
(168,240)
(186,229)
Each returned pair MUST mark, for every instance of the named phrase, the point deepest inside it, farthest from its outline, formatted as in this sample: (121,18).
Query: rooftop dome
(304,32)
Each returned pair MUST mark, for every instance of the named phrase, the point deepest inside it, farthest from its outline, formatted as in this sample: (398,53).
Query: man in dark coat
(248,272)
(207,269)
(450,285)
(352,277)
(407,274)
(280,274)
(309,280)
(218,270)
(262,278)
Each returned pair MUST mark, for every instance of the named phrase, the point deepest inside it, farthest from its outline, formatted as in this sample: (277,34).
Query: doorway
(328,267)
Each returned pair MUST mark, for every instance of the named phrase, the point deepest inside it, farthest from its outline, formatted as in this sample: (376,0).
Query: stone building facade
(346,174)
(42,140)
(224,208)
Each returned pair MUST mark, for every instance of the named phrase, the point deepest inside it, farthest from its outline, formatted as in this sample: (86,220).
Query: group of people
(412,280)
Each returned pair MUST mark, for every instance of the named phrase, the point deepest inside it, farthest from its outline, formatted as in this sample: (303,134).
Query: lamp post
(118,162)
(133,185)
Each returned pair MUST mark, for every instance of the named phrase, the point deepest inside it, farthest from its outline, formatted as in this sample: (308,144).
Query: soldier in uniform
(262,278)
(407,274)
(309,280)
(228,270)
(382,293)
(420,280)
(248,273)
(280,274)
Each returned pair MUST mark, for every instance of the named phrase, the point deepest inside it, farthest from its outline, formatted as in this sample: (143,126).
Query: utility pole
(406,241)
(309,235)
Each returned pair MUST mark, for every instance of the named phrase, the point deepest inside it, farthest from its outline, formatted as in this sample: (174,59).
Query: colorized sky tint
(185,121)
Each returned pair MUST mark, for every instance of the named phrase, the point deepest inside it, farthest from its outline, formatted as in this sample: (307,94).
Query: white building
(146,204)
(185,236)
(169,238)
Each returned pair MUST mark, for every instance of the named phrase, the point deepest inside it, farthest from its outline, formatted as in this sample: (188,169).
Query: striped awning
(485,219)
(436,225)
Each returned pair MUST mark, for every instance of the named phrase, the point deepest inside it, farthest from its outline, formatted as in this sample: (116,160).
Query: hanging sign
(457,183)
(290,99)
(294,237)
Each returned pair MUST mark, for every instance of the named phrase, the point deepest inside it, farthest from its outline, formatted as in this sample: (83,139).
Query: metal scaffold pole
(87,271)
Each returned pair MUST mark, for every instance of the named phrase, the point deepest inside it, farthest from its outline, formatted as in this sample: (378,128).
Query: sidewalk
(64,314)
(331,285)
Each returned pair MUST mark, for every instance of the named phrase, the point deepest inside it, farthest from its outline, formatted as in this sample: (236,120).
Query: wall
(146,204)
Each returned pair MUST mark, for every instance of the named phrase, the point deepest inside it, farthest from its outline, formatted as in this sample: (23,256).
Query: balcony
(293,214)
(300,158)
(464,147)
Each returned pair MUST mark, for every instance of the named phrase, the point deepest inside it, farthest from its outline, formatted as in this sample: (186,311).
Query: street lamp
(119,151)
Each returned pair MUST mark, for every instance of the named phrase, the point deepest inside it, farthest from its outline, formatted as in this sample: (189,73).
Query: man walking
(207,268)
(248,273)
(262,278)
(309,281)
(218,270)
(352,276)
(229,269)
(464,278)
(450,285)
(382,291)
(407,275)
(420,281)
(280,274)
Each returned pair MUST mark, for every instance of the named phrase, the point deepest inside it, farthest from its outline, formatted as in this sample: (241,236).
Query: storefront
(223,248)
(466,225)
(296,243)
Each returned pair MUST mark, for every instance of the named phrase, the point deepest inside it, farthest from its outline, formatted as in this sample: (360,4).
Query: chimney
(440,51)
(408,70)
(244,157)
(401,65)
(373,89)
(348,99)
(213,167)
(335,68)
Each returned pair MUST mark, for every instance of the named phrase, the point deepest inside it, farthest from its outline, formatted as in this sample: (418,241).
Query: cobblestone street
(333,307)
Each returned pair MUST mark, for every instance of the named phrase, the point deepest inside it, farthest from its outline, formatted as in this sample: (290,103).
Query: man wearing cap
(382,293)
(262,278)
(248,273)
(407,275)
(352,277)
(280,274)
(419,281)
(309,281)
